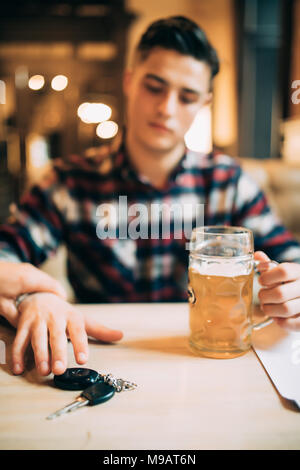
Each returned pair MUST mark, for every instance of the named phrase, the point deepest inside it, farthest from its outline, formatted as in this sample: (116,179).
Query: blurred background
(61,65)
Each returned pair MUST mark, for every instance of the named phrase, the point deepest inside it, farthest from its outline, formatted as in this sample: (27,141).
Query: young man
(171,79)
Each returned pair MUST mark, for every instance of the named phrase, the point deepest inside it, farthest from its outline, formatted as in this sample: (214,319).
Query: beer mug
(221,271)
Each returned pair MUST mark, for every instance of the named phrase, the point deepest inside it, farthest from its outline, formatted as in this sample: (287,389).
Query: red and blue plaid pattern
(64,208)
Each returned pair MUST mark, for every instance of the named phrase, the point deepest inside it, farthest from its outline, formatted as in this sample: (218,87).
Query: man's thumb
(261,256)
(97,331)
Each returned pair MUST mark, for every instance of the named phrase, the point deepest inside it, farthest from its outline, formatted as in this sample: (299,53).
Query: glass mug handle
(268,320)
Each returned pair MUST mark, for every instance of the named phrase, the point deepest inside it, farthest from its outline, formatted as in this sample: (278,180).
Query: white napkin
(279,352)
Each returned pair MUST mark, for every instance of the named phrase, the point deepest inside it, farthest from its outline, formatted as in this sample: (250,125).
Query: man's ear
(127,81)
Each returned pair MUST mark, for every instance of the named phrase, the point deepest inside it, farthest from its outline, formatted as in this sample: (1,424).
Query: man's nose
(168,104)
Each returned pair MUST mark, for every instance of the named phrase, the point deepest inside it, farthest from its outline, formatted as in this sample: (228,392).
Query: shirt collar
(128,172)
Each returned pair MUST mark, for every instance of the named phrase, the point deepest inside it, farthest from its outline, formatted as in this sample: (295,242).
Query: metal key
(94,395)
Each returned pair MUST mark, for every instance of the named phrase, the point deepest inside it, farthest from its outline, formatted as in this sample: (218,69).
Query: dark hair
(182,35)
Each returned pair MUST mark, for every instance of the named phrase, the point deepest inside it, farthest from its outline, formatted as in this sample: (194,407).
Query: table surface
(182,401)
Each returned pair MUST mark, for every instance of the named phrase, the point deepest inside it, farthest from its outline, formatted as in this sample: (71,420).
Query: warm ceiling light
(82,109)
(199,136)
(94,112)
(107,129)
(59,82)
(36,82)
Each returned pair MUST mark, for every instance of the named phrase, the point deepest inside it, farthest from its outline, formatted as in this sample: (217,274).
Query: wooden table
(182,401)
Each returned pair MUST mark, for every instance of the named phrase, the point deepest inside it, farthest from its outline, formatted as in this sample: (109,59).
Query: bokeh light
(59,82)
(107,129)
(199,136)
(94,112)
(36,82)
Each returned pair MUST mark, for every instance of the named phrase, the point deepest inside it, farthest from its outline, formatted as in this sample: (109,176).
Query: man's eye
(187,100)
(153,89)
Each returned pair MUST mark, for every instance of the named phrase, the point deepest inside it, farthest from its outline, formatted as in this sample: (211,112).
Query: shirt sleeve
(35,229)
(252,210)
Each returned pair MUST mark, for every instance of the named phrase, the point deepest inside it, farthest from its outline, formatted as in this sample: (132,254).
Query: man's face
(164,94)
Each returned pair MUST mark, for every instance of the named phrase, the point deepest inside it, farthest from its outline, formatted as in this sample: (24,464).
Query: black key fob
(77,378)
(98,393)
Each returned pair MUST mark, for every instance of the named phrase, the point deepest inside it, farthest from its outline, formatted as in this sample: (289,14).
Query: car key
(79,378)
(94,395)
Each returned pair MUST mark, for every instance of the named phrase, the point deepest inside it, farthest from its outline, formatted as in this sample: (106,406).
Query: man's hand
(18,278)
(47,318)
(21,278)
(280,295)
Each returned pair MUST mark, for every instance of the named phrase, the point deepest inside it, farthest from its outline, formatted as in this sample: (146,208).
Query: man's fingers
(285,310)
(39,342)
(261,256)
(20,278)
(265,263)
(94,329)
(19,347)
(292,324)
(280,293)
(35,280)
(78,337)
(58,345)
(9,311)
(284,272)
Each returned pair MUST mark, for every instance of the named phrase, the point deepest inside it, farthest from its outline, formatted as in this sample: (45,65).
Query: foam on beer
(232,267)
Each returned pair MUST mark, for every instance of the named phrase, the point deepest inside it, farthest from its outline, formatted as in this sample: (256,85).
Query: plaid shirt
(64,208)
